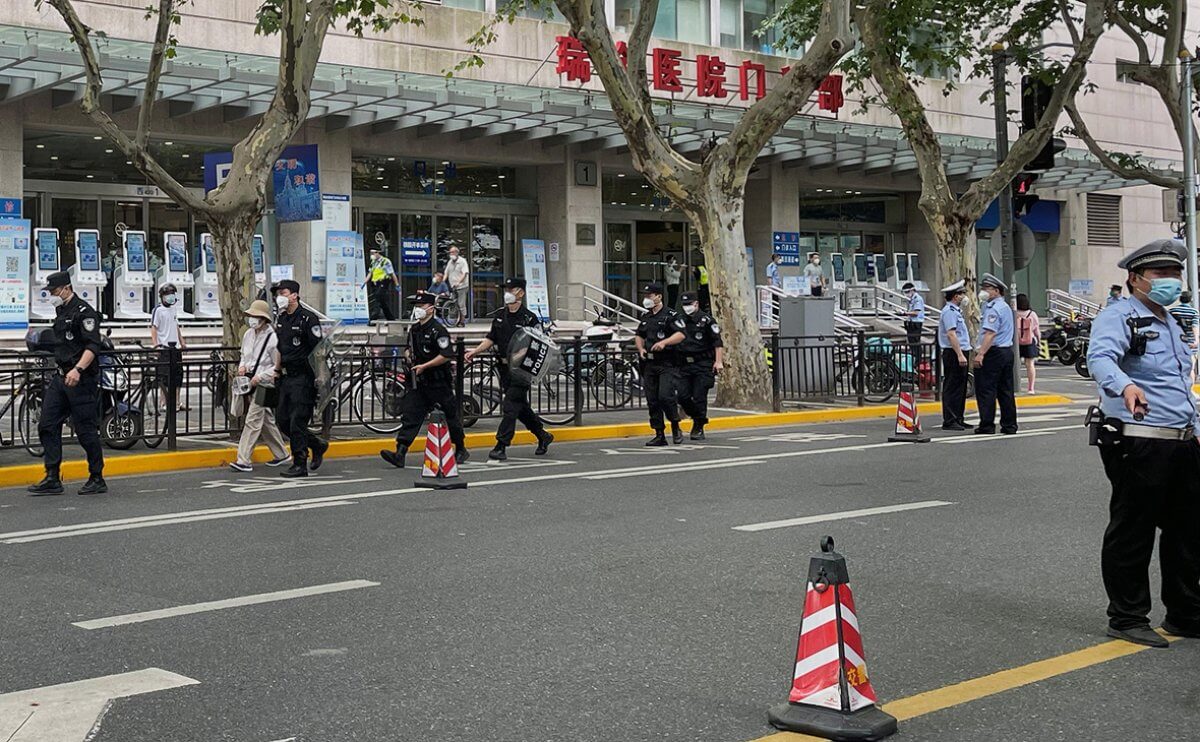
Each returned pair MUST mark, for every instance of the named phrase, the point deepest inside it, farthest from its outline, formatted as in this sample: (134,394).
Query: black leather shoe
(297,469)
(318,455)
(461,455)
(94,486)
(50,485)
(697,433)
(395,458)
(544,444)
(1143,635)
(1174,630)
(676,434)
(498,454)
(954,426)
(1008,431)
(658,440)
(985,431)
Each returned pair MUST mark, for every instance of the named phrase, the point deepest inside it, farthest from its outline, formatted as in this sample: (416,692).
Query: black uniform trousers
(81,403)
(381,301)
(1155,485)
(661,381)
(673,295)
(695,379)
(994,383)
(297,398)
(516,407)
(954,388)
(913,331)
(419,402)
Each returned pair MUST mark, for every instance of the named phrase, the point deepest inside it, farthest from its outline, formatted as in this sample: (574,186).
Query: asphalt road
(600,594)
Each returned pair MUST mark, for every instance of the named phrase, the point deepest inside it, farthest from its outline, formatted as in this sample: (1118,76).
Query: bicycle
(374,390)
(132,410)
(26,400)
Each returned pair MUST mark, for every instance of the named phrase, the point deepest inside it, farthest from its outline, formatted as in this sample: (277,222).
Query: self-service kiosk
(204,299)
(131,277)
(175,268)
(87,276)
(260,262)
(914,272)
(45,261)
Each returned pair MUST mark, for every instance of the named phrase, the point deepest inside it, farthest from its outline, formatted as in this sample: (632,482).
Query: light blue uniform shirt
(997,318)
(953,319)
(773,274)
(916,304)
(1163,373)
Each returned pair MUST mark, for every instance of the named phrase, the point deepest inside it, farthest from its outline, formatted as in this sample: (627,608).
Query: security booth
(46,260)
(87,276)
(131,277)
(174,269)
(807,346)
(204,297)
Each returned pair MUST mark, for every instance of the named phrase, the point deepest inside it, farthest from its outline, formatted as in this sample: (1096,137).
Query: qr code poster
(12,264)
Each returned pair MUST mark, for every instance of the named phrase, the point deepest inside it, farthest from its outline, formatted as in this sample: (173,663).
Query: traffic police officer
(381,280)
(915,323)
(505,323)
(430,381)
(955,342)
(1146,430)
(299,331)
(700,354)
(73,391)
(662,328)
(994,360)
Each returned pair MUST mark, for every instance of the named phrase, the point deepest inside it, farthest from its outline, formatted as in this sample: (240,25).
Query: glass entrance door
(619,259)
(413,277)
(487,264)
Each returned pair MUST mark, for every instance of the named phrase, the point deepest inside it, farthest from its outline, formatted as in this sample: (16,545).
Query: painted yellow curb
(155,463)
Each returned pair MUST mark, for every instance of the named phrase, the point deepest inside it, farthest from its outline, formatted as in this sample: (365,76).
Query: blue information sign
(787,246)
(414,252)
(10,208)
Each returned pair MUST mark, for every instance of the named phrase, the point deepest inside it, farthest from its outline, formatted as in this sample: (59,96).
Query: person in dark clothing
(505,324)
(73,392)
(701,359)
(299,331)
(430,382)
(661,329)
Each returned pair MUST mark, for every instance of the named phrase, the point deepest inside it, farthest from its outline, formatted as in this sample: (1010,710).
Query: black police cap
(55,280)
(514,283)
(688,298)
(423,297)
(288,284)
(652,288)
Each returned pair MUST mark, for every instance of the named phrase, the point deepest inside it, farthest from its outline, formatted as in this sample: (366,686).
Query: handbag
(238,403)
(266,396)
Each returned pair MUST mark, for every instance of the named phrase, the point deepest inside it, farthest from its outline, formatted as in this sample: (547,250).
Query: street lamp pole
(1005,228)
(1189,174)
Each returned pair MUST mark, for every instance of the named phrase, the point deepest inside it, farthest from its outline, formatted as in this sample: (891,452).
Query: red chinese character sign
(664,70)
(573,60)
(710,77)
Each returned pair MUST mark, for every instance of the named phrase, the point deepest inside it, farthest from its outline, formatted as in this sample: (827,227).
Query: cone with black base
(440,471)
(831,695)
(908,420)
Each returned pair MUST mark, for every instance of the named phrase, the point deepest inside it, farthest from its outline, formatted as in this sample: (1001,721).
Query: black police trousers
(954,388)
(994,383)
(913,331)
(661,382)
(297,398)
(695,379)
(416,406)
(81,403)
(1155,485)
(516,407)
(381,300)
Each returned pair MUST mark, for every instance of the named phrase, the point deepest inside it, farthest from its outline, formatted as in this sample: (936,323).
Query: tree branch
(1064,12)
(1122,22)
(639,43)
(1129,172)
(162,34)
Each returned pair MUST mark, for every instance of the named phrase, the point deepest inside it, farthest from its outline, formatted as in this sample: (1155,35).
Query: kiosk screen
(135,253)
(210,255)
(89,251)
(177,253)
(47,250)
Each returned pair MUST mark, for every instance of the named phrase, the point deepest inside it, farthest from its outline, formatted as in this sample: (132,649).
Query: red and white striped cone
(908,420)
(831,695)
(440,471)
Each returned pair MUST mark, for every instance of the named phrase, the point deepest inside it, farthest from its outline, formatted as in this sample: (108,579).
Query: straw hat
(258,308)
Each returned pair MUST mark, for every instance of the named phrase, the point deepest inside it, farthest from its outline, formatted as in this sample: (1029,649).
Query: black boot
(1143,635)
(544,442)
(319,447)
(676,433)
(658,440)
(498,454)
(697,432)
(461,455)
(395,458)
(299,468)
(95,486)
(50,485)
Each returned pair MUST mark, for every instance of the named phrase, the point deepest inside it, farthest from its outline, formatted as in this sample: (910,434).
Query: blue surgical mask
(1165,291)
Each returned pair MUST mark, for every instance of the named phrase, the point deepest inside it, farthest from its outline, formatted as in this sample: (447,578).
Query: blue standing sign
(297,179)
(787,246)
(15,237)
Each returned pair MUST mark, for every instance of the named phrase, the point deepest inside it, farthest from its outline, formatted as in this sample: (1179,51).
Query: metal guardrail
(582,298)
(1066,306)
(768,312)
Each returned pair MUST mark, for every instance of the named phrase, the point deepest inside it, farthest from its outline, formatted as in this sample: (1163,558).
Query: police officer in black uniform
(505,322)
(299,332)
(430,381)
(701,359)
(660,330)
(74,391)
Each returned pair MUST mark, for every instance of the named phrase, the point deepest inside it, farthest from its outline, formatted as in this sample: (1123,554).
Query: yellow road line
(989,685)
(154,463)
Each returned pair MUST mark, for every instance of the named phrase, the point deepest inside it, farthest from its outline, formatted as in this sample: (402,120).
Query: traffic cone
(908,420)
(831,695)
(440,471)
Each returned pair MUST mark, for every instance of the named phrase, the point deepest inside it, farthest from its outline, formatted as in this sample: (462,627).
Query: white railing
(581,300)
(768,312)
(1065,306)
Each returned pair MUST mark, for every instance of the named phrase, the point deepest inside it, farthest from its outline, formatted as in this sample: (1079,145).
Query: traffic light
(1035,98)
(1023,199)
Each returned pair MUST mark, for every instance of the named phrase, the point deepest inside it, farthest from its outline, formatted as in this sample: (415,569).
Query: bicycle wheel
(470,411)
(882,380)
(612,382)
(551,399)
(154,417)
(120,430)
(451,312)
(28,415)
(376,404)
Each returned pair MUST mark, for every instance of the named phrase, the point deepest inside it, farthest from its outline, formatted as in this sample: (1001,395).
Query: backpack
(1027,326)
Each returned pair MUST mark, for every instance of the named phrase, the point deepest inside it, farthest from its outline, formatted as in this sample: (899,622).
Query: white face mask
(691,308)
(257,322)
(281,302)
(170,299)
(419,313)
(648,303)
(510,297)
(55,301)
(984,296)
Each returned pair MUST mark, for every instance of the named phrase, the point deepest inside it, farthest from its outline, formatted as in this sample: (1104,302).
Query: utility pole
(1189,174)
(1004,230)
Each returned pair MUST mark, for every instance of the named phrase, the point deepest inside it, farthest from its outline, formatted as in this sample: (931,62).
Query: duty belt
(304,370)
(1135,430)
(697,359)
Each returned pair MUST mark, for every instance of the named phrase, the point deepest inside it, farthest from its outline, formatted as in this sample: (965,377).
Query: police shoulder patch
(89,323)
(316,330)
(680,324)
(993,317)
(716,328)
(444,342)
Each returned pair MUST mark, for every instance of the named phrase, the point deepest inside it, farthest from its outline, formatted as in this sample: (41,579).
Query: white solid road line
(71,712)
(844,515)
(217,605)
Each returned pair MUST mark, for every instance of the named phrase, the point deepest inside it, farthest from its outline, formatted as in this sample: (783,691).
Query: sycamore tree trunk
(718,219)
(233,238)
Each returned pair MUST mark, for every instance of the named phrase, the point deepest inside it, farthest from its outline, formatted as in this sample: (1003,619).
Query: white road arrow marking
(73,711)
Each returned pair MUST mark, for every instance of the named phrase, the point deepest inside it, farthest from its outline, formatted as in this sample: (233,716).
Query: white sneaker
(239,466)
(280,461)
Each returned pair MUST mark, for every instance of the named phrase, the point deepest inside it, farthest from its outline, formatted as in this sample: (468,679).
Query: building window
(681,20)
(1103,220)
(924,38)
(731,23)
(625,15)
(380,174)
(756,38)
(464,4)
(549,13)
